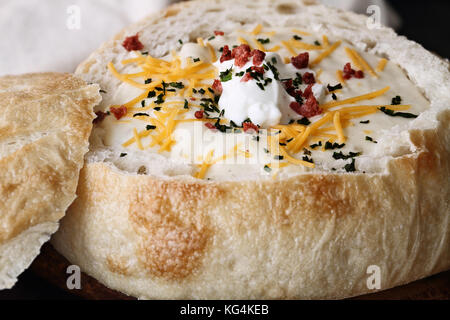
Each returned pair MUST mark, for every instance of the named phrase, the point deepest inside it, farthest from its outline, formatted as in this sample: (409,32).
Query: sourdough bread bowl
(145,224)
(45,123)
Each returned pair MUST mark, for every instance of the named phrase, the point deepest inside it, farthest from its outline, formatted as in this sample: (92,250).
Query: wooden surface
(51,267)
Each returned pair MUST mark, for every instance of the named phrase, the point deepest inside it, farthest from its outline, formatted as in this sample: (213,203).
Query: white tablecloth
(42,35)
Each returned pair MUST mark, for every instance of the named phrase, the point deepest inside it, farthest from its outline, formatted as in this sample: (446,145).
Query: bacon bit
(290,89)
(359,74)
(296,107)
(247,77)
(309,109)
(308,91)
(219,33)
(120,112)
(258,57)
(199,114)
(348,68)
(226,54)
(100,117)
(308,78)
(241,55)
(349,72)
(217,86)
(210,126)
(301,61)
(250,127)
(193,99)
(259,70)
(288,84)
(132,43)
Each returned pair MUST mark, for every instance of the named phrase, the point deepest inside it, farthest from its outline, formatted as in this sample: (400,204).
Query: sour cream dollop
(266,107)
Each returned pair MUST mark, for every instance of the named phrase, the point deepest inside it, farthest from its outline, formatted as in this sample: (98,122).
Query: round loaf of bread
(160,233)
(45,123)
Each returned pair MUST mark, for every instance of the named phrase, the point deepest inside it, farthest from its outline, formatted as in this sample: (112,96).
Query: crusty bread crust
(311,236)
(45,123)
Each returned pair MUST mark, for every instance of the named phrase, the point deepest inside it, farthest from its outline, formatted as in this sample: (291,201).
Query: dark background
(426,22)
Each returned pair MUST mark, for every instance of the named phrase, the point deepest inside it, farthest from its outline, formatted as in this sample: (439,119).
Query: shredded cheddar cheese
(289,48)
(300,32)
(326,43)
(243,41)
(338,126)
(205,166)
(367,96)
(340,77)
(326,53)
(274,49)
(200,42)
(382,65)
(257,29)
(212,52)
(303,45)
(359,61)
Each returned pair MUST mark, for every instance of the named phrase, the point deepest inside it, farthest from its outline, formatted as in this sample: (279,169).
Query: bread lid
(45,123)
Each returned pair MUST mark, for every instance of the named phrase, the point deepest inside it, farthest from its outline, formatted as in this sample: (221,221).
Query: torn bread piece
(45,123)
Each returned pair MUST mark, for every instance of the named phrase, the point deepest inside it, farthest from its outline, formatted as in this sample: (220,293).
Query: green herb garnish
(226,75)
(313,146)
(392,113)
(340,155)
(350,167)
(334,88)
(332,146)
(307,159)
(160,99)
(177,85)
(140,115)
(304,121)
(396,100)
(264,41)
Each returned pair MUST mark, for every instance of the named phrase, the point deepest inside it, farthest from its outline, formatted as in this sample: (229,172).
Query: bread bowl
(145,223)
(45,123)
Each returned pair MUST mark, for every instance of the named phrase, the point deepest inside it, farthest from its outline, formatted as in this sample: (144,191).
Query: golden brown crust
(312,236)
(45,123)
